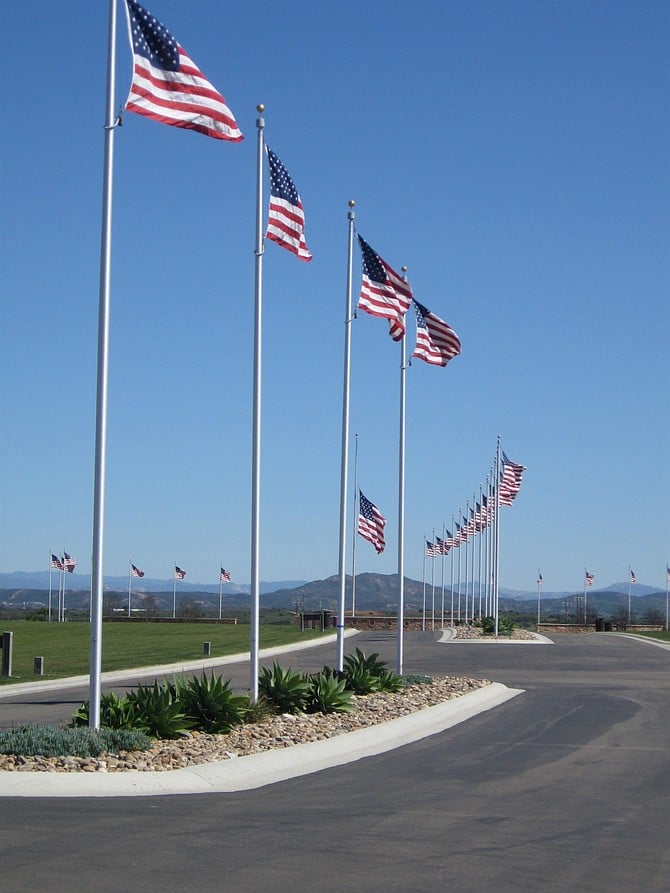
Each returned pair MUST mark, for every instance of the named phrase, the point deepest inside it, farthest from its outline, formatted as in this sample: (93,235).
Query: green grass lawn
(65,646)
(655,634)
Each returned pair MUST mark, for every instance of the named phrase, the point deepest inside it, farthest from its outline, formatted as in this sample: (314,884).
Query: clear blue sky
(513,155)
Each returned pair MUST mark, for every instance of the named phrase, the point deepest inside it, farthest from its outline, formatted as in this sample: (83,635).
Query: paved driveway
(563,788)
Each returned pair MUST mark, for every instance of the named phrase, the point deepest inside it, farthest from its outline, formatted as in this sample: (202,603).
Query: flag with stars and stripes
(168,86)
(56,562)
(135,571)
(436,342)
(286,219)
(510,480)
(588,578)
(383,292)
(224,576)
(371,523)
(179,573)
(69,564)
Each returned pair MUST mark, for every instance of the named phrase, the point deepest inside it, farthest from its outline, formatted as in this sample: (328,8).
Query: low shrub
(417,679)
(50,741)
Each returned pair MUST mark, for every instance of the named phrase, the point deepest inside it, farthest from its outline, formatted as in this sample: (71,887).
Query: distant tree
(620,617)
(655,616)
(190,610)
(110,601)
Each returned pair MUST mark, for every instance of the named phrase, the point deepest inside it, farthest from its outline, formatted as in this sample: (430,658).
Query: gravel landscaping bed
(276,732)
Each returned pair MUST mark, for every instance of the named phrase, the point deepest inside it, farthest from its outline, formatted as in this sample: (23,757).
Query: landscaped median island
(293,709)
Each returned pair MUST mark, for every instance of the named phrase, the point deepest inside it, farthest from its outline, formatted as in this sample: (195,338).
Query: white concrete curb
(257,770)
(644,639)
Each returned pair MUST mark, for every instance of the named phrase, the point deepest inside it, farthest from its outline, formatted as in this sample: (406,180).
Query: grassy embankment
(65,646)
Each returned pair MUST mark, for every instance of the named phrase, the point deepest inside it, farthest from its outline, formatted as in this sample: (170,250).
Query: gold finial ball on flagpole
(404,269)
(351,203)
(260,108)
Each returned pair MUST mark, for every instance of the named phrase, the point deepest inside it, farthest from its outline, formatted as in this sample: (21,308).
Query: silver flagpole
(344,466)
(481,543)
(496,541)
(667,587)
(467,541)
(451,618)
(460,549)
(423,611)
(256,451)
(50,569)
(444,558)
(111,122)
(220,593)
(432,621)
(174,591)
(401,504)
(585,600)
(62,590)
(629,595)
(539,586)
(130,583)
(354,530)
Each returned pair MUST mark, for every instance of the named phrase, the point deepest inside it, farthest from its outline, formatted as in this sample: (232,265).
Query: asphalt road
(563,788)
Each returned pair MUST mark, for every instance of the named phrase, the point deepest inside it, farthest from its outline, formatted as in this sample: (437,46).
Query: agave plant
(115,713)
(362,673)
(159,710)
(210,705)
(390,681)
(286,689)
(328,694)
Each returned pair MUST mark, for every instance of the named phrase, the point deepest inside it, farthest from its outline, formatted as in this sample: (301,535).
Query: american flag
(286,219)
(588,578)
(224,576)
(431,549)
(179,573)
(540,581)
(436,342)
(510,480)
(69,563)
(633,578)
(383,292)
(56,562)
(442,546)
(371,523)
(168,86)
(135,571)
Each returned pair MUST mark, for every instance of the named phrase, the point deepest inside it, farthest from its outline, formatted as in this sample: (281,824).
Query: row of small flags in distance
(67,563)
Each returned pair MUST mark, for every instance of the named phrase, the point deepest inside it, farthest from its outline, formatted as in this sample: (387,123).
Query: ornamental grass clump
(51,741)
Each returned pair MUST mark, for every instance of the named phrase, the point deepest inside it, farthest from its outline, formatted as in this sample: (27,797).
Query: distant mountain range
(40,580)
(374,592)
